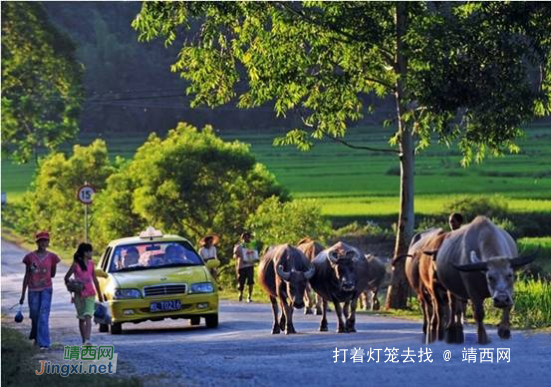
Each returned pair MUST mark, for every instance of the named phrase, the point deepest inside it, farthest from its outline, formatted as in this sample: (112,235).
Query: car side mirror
(212,263)
(101,273)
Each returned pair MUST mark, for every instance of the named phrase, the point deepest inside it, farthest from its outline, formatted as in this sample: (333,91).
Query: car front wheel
(116,329)
(212,320)
(103,328)
(195,321)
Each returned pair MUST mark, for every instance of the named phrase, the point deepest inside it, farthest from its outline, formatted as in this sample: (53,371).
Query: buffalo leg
(275,328)
(309,299)
(289,328)
(478,307)
(346,310)
(375,305)
(282,320)
(504,327)
(340,323)
(319,304)
(426,305)
(323,323)
(451,326)
(434,318)
(442,299)
(351,318)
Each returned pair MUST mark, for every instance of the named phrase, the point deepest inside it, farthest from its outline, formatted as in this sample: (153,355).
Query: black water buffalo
(341,276)
(476,262)
(284,272)
(376,278)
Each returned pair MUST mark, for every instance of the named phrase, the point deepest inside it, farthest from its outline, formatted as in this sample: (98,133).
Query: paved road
(242,350)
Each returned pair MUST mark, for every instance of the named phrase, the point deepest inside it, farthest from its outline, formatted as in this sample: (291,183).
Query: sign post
(85,195)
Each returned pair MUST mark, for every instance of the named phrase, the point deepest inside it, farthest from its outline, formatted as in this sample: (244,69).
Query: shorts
(245,274)
(85,306)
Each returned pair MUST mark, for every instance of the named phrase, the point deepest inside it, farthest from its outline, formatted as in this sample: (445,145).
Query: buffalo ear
(479,266)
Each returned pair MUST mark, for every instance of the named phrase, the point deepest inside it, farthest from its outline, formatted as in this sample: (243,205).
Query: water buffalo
(376,278)
(284,272)
(341,276)
(311,249)
(476,262)
(415,251)
(437,292)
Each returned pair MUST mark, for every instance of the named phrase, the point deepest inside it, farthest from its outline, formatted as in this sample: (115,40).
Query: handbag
(74,286)
(19,315)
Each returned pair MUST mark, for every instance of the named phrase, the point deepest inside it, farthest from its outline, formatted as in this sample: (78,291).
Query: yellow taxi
(155,276)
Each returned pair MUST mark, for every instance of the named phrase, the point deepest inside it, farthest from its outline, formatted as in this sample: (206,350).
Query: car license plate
(163,306)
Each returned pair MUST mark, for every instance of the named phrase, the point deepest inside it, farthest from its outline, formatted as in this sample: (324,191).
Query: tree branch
(368,148)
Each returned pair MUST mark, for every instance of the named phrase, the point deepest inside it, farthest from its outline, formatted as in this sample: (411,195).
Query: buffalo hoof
(459,337)
(504,333)
(351,330)
(308,311)
(449,335)
(290,332)
(323,328)
(483,339)
(341,330)
(318,312)
(276,331)
(440,334)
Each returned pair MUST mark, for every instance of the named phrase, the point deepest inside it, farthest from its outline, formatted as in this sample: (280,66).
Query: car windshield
(153,255)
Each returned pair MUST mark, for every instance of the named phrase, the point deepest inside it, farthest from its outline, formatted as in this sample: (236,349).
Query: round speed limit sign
(85,194)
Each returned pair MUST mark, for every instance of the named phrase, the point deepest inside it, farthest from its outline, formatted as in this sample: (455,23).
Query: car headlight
(202,287)
(126,293)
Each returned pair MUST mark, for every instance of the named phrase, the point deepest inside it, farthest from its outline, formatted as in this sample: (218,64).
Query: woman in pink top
(83,271)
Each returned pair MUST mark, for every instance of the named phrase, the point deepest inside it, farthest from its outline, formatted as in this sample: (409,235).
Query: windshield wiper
(133,268)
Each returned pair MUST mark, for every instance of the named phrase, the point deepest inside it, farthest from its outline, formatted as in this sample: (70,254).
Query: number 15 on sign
(85,195)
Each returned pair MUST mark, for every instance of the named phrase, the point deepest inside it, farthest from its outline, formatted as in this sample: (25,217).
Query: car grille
(161,290)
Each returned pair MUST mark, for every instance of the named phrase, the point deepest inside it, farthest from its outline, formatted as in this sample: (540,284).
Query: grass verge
(19,366)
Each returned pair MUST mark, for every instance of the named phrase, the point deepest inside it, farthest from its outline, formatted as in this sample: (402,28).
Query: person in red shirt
(40,268)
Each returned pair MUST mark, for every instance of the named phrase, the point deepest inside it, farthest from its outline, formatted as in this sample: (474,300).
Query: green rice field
(353,183)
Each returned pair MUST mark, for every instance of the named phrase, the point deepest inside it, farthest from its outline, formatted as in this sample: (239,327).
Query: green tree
(52,204)
(459,70)
(276,222)
(41,82)
(191,183)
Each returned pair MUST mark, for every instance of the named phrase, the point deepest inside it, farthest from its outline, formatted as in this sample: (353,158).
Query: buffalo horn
(524,260)
(310,273)
(282,273)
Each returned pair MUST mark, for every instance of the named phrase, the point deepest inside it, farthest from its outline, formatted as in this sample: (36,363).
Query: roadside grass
(543,259)
(532,307)
(19,364)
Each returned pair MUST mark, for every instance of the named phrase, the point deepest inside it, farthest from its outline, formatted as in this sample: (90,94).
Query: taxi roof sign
(151,232)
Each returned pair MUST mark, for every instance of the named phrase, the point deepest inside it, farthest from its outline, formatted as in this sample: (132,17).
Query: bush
(51,203)
(472,206)
(192,183)
(370,229)
(276,222)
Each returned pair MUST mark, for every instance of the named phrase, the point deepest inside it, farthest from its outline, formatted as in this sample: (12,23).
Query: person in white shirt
(208,251)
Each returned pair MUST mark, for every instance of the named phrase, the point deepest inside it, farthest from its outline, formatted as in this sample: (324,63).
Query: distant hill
(129,86)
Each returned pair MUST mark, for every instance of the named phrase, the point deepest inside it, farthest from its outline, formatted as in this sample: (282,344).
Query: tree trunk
(398,291)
